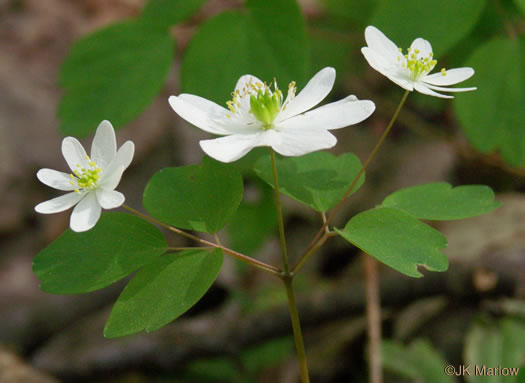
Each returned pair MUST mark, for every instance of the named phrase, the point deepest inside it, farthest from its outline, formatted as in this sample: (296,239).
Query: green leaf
(113,74)
(521,6)
(493,117)
(443,23)
(318,179)
(165,13)
(198,197)
(397,239)
(162,291)
(495,345)
(118,245)
(267,40)
(357,11)
(419,361)
(439,201)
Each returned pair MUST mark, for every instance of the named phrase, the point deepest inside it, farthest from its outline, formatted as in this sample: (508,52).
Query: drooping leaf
(397,239)
(495,345)
(493,117)
(165,13)
(113,74)
(267,39)
(118,245)
(198,197)
(444,23)
(162,291)
(318,179)
(439,201)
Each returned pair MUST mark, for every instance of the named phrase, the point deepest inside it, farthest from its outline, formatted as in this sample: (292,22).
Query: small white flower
(93,180)
(258,116)
(410,71)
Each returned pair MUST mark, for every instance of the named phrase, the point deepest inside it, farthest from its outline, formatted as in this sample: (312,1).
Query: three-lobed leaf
(118,245)
(268,40)
(439,201)
(113,74)
(319,179)
(162,291)
(397,239)
(493,117)
(198,197)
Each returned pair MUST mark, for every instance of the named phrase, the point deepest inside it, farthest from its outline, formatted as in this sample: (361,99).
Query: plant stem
(287,278)
(373,315)
(371,156)
(241,257)
(297,333)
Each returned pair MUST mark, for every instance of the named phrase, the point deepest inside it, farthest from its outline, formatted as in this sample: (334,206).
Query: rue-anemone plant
(103,248)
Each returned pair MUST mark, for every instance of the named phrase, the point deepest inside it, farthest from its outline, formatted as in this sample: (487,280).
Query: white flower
(410,71)
(258,116)
(93,180)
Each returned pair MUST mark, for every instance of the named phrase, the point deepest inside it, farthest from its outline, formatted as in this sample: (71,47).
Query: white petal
(58,204)
(378,42)
(74,153)
(86,214)
(109,199)
(296,142)
(336,115)
(56,179)
(443,89)
(245,80)
(393,71)
(312,94)
(453,76)
(422,88)
(110,177)
(422,46)
(231,148)
(198,111)
(104,146)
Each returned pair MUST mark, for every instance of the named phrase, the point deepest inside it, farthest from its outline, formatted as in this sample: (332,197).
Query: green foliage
(357,11)
(267,40)
(162,291)
(198,197)
(397,239)
(318,179)
(81,262)
(439,201)
(419,361)
(495,345)
(493,117)
(444,23)
(521,6)
(113,74)
(165,13)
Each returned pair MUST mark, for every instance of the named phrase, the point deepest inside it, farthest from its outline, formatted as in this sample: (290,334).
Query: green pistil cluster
(86,178)
(265,105)
(419,65)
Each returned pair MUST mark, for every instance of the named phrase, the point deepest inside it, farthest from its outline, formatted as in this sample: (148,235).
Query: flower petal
(422,46)
(55,179)
(296,142)
(74,153)
(443,89)
(393,71)
(104,146)
(110,199)
(199,112)
(422,88)
(313,93)
(243,82)
(110,177)
(86,214)
(58,204)
(348,111)
(378,42)
(453,76)
(233,147)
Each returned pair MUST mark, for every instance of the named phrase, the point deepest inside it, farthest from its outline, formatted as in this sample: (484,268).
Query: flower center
(86,178)
(417,64)
(260,101)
